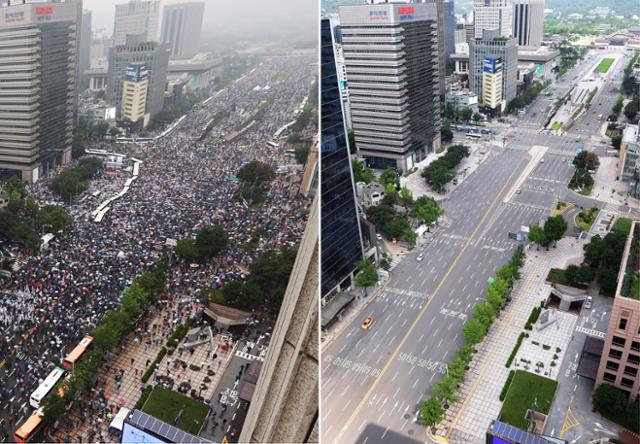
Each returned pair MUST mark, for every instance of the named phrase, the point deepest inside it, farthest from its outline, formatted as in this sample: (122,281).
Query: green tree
(619,104)
(616,141)
(254,177)
(495,297)
(367,276)
(631,109)
(426,209)
(210,241)
(485,313)
(446,135)
(388,176)
(593,251)
(55,217)
(186,249)
(466,114)
(473,331)
(609,400)
(554,228)
(360,172)
(53,407)
(446,389)
(537,235)
(431,411)
(406,196)
(477,118)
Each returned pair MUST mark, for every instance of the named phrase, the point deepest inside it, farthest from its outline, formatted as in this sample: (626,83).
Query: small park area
(604,65)
(586,218)
(527,388)
(166,405)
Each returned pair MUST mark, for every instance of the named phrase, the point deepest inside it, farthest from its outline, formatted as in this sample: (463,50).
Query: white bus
(45,388)
(273,144)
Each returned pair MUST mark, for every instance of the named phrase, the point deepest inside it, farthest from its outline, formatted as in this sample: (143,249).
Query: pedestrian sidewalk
(132,358)
(479,403)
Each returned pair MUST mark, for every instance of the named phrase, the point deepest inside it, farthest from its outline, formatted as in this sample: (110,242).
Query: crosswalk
(249,356)
(408,293)
(591,332)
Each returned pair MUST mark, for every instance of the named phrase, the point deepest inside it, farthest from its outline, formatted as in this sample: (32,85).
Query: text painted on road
(354,366)
(434,366)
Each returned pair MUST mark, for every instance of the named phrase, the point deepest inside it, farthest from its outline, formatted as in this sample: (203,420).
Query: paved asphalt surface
(372,381)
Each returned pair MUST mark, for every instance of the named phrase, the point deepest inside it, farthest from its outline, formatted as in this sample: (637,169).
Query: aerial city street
(461,318)
(145,265)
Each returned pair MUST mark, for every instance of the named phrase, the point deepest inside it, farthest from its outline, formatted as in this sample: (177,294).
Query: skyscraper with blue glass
(341,240)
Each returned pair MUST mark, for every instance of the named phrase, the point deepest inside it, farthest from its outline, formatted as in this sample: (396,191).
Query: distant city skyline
(222,18)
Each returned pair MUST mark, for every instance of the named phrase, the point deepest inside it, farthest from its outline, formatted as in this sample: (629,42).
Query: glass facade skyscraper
(341,240)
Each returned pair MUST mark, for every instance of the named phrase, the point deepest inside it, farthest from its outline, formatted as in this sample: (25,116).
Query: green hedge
(152,366)
(505,389)
(533,317)
(178,335)
(514,352)
(143,397)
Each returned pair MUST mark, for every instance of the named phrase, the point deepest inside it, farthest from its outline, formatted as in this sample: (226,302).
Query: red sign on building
(40,10)
(406,10)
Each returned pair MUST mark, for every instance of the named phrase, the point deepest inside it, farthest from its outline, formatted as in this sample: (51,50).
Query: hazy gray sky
(297,17)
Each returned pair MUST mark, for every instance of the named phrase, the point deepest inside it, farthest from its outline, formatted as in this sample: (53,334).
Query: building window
(626,382)
(609,377)
(618,341)
(622,325)
(630,371)
(615,354)
(635,346)
(613,366)
(634,359)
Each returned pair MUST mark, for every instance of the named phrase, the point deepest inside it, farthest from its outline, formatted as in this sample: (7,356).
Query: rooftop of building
(199,62)
(541,54)
(630,134)
(629,277)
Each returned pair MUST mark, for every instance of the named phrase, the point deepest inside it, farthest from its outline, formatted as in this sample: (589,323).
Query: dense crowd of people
(185,183)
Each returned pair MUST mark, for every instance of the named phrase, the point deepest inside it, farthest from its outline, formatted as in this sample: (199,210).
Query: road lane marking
(393,356)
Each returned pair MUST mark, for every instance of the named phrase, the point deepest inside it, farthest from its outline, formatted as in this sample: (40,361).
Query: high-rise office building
(341,236)
(460,35)
(181,26)
(620,361)
(154,56)
(136,17)
(528,22)
(492,85)
(284,404)
(448,29)
(86,40)
(135,86)
(492,14)
(38,69)
(441,43)
(391,56)
(494,46)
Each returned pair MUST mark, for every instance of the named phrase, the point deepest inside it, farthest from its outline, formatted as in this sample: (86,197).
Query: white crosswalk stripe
(591,332)
(249,357)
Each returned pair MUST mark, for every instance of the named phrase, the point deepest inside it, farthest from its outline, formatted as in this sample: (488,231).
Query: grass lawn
(604,65)
(622,225)
(585,218)
(526,387)
(165,405)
